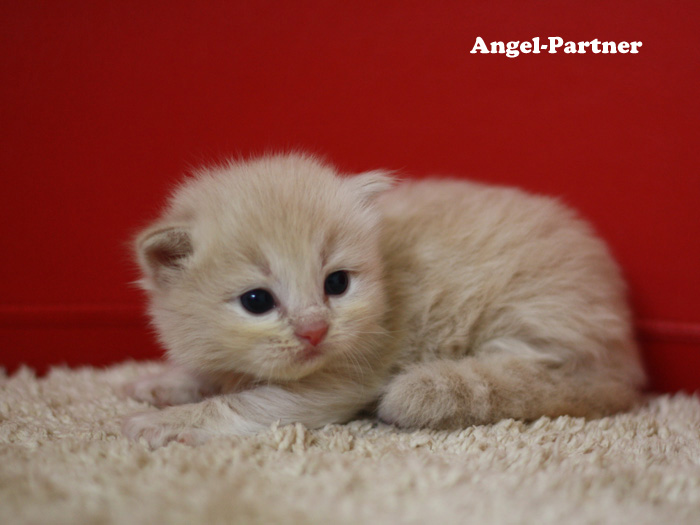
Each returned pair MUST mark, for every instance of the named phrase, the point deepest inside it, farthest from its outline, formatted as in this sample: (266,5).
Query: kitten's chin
(293,364)
(302,363)
(299,370)
(241,377)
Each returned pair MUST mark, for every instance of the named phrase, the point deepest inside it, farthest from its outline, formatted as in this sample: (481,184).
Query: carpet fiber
(63,460)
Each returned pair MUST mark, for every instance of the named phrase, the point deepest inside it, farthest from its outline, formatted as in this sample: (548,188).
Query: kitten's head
(269,267)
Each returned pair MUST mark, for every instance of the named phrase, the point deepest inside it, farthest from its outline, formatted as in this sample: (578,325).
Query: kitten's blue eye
(258,301)
(336,283)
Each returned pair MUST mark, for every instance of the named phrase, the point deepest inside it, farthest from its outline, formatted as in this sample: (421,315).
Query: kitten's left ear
(371,184)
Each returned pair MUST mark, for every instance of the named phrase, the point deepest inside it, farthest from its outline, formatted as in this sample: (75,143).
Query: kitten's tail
(452,394)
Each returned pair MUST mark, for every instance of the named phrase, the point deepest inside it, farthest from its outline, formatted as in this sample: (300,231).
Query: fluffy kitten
(285,292)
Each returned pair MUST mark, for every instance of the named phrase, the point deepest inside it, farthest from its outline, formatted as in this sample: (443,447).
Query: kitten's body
(466,304)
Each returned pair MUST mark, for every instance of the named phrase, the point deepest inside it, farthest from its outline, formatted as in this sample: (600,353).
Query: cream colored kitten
(284,292)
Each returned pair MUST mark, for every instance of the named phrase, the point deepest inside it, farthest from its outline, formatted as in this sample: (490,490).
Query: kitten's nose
(312,332)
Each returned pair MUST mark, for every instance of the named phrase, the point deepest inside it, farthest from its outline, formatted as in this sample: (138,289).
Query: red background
(105,104)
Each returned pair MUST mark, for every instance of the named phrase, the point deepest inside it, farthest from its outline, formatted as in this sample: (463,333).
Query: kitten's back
(476,262)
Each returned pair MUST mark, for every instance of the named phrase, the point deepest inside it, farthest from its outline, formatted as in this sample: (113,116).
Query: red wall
(105,104)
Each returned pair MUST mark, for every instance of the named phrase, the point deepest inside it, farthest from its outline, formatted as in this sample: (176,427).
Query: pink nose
(313,332)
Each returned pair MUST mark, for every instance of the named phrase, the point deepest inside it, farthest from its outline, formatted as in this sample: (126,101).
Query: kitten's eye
(336,283)
(258,301)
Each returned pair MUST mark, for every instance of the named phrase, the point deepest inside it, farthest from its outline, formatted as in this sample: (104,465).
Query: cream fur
(467,304)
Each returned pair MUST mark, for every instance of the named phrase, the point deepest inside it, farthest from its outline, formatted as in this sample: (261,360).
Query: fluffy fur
(467,304)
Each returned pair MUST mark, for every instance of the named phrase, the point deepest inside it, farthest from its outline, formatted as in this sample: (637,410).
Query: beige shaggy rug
(63,460)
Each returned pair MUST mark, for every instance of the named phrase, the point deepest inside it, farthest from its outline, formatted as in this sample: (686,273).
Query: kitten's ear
(371,184)
(162,252)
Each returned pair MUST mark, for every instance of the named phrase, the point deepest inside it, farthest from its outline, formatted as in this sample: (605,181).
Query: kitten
(285,292)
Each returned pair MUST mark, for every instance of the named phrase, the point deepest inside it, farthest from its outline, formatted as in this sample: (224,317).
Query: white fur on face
(281,224)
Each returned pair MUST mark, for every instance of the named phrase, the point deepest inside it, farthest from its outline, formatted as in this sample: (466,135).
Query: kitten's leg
(484,389)
(247,412)
(173,386)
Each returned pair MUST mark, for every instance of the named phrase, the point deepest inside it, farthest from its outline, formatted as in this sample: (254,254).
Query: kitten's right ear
(162,253)
(371,184)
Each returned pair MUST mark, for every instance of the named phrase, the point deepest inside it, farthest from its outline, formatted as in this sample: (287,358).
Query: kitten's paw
(193,437)
(433,395)
(164,390)
(154,428)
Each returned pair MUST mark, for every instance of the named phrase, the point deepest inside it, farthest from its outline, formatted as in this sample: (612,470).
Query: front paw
(165,390)
(157,431)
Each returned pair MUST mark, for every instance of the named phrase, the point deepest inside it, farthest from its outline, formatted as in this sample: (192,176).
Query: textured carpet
(63,460)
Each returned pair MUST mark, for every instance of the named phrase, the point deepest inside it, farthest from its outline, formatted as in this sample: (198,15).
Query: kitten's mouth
(310,353)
